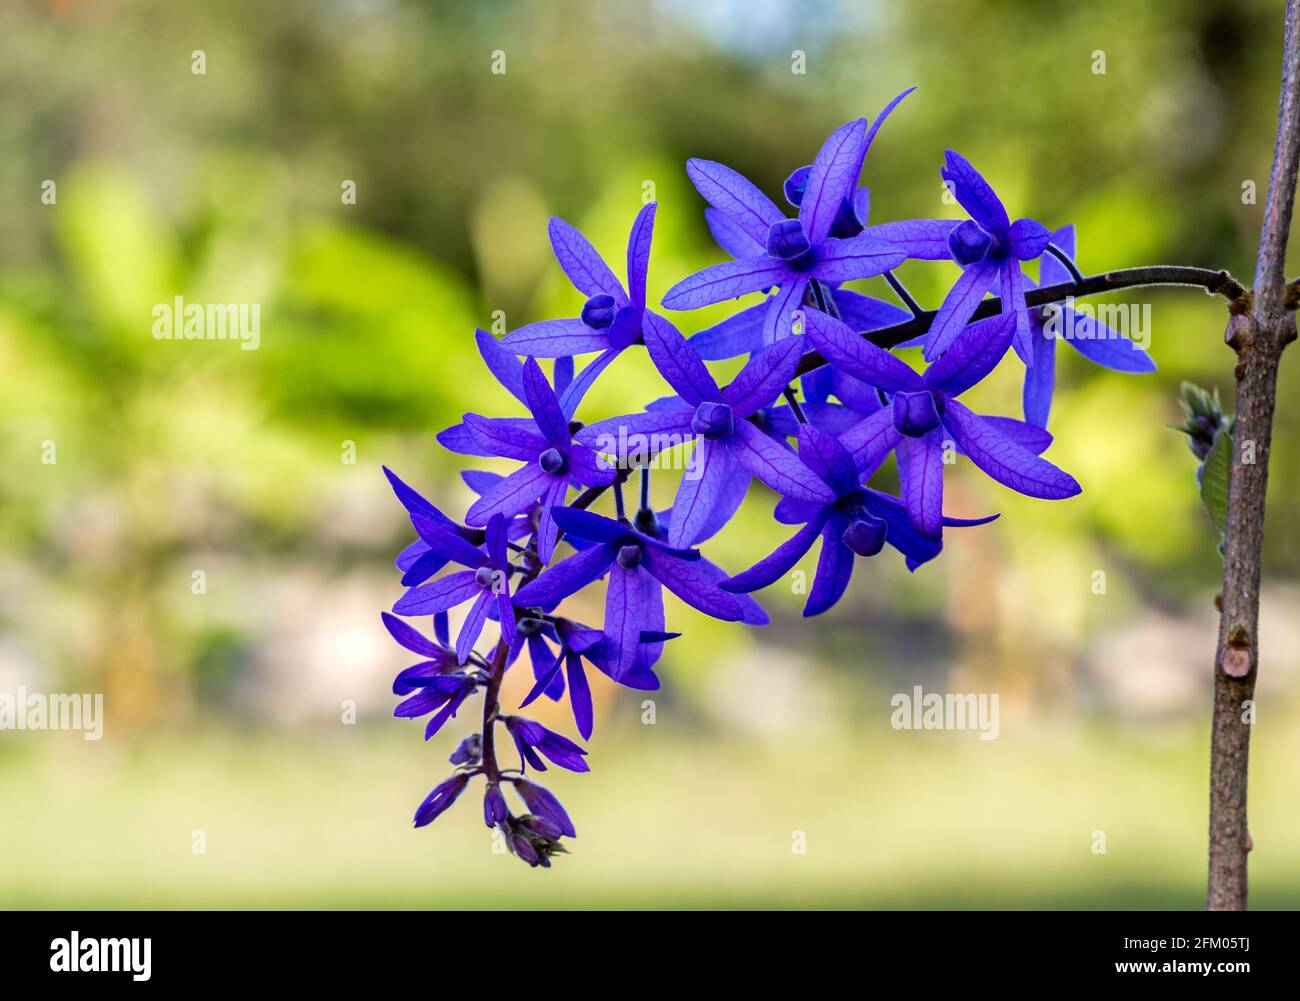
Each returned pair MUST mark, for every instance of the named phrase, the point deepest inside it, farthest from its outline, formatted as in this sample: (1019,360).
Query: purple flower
(612,317)
(440,799)
(858,523)
(637,564)
(576,643)
(552,461)
(468,751)
(542,803)
(1086,334)
(487,581)
(531,738)
(743,333)
(786,253)
(495,810)
(728,445)
(990,247)
(923,406)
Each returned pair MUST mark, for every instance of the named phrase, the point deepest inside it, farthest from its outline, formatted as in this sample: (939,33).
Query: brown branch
(1258,336)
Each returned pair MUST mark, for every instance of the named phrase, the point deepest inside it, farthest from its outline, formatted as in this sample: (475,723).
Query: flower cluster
(531,540)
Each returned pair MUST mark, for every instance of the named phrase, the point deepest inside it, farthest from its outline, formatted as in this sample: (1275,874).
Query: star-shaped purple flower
(552,460)
(637,564)
(612,316)
(487,581)
(858,523)
(990,247)
(922,406)
(793,251)
(727,443)
(1086,334)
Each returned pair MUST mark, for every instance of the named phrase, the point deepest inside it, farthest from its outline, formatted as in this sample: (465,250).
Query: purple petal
(782,309)
(547,530)
(516,492)
(862,312)
(638,252)
(828,458)
(834,568)
(640,435)
(834,173)
(579,695)
(1050,270)
(584,267)
(555,339)
(458,439)
(737,335)
(565,577)
(622,625)
(920,239)
(408,637)
(577,389)
(692,584)
(776,466)
(764,376)
(1040,379)
(544,406)
(974,354)
(698,491)
(974,194)
(958,305)
(1004,460)
(730,236)
(677,362)
(734,488)
(1012,281)
(861,256)
(856,355)
(412,500)
(444,593)
(728,280)
(594,527)
(1030,436)
(920,471)
(447,545)
(479,480)
(780,561)
(502,363)
(1101,344)
(507,437)
(871,440)
(736,197)
(589,469)
(473,626)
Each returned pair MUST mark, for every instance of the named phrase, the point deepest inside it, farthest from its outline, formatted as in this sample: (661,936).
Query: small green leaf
(1214,478)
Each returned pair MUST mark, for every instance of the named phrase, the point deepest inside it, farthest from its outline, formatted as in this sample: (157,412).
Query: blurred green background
(225,710)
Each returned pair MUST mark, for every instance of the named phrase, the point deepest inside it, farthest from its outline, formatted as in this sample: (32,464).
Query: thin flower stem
(619,509)
(1066,260)
(900,290)
(645,488)
(790,398)
(1215,282)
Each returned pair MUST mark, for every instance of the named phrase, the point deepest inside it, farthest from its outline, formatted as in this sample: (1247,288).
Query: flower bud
(787,240)
(968,243)
(598,311)
(494,805)
(1028,239)
(552,461)
(915,413)
(713,420)
(796,184)
(629,557)
(865,534)
(468,751)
